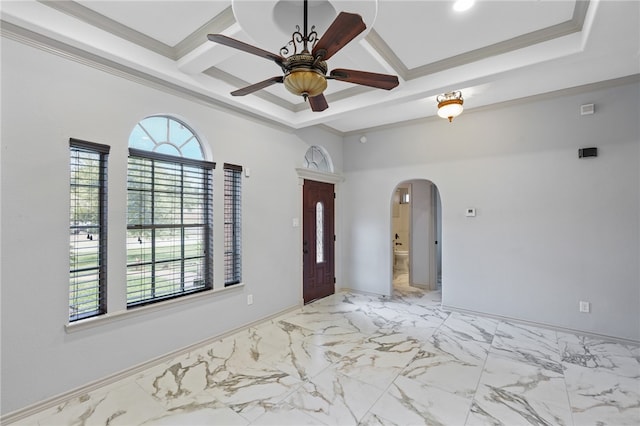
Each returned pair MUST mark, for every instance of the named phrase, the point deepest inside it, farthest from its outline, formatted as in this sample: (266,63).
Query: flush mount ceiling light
(450,105)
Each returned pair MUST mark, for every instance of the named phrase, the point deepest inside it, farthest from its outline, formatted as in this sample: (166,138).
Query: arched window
(169,212)
(317,158)
(166,135)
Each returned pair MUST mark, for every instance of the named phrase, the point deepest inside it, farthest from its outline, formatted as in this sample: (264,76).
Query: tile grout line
(564,378)
(484,364)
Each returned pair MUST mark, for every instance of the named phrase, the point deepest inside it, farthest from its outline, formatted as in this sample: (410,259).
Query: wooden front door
(317,240)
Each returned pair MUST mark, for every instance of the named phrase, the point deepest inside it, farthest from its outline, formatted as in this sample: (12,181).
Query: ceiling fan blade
(318,103)
(255,87)
(237,44)
(371,79)
(341,31)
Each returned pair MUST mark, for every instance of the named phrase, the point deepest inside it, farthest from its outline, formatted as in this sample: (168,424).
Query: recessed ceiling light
(462,5)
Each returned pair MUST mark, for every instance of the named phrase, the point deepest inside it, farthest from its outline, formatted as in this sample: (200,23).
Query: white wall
(46,100)
(421,233)
(550,230)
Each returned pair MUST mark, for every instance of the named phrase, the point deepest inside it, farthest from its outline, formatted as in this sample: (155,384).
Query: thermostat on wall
(470,212)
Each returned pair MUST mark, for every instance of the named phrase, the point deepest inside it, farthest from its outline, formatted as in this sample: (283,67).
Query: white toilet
(401,261)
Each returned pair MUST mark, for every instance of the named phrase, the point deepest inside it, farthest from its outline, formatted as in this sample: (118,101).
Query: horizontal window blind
(88,229)
(232,224)
(169,227)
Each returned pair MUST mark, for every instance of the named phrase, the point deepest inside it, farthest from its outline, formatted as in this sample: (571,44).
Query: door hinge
(334,195)
(334,238)
(334,280)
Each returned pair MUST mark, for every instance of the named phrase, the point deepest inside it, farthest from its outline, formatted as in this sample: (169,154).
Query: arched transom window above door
(317,158)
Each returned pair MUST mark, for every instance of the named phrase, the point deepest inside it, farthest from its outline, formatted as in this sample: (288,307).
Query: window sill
(146,309)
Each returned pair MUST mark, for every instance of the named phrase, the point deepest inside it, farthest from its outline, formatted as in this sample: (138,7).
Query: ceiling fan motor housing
(304,75)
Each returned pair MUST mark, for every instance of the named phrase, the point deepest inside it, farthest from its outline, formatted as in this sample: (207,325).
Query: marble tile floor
(355,359)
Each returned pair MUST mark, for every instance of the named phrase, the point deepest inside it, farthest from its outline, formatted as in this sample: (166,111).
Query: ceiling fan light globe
(305,82)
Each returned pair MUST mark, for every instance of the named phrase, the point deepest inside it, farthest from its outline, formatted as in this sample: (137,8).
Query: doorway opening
(416,236)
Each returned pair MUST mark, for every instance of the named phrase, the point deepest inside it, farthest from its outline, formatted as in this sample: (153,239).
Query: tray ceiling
(495,52)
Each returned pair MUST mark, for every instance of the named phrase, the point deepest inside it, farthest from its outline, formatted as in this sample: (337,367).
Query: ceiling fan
(305,71)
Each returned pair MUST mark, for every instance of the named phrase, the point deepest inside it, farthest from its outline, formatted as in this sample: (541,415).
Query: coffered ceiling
(494,52)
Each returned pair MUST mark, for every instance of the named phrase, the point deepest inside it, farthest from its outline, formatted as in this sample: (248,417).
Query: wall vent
(587,152)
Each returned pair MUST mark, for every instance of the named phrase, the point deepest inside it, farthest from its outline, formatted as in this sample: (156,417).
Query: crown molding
(44,43)
(217,24)
(569,91)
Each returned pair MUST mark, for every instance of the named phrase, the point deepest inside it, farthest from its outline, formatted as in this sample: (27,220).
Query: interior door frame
(435,222)
(336,180)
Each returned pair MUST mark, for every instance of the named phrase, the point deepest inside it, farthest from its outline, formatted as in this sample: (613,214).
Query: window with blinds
(87,229)
(232,224)
(169,227)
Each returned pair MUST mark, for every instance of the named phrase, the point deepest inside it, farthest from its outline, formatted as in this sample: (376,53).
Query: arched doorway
(416,235)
